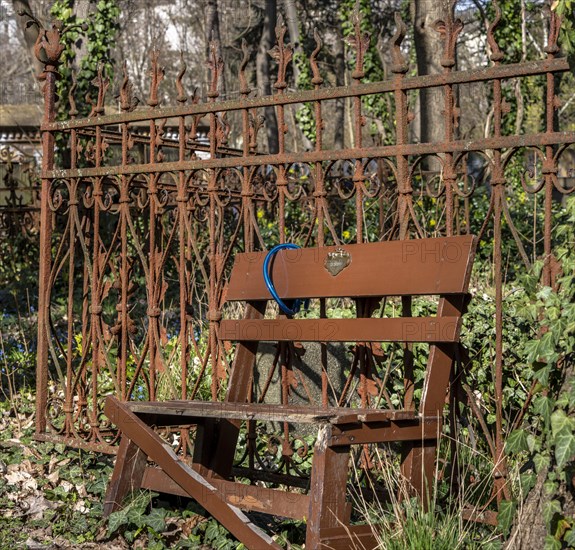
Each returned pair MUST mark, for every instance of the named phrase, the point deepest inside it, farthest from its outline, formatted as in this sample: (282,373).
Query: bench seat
(194,411)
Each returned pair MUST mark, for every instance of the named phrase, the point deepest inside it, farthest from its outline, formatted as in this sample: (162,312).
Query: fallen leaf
(54,477)
(35,506)
(190,523)
(17,476)
(66,485)
(81,507)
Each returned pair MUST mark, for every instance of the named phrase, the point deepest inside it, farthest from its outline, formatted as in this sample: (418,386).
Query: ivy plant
(546,440)
(99,32)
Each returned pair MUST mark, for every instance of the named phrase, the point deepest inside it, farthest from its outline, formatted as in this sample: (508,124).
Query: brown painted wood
(418,460)
(391,268)
(204,441)
(401,329)
(327,506)
(418,467)
(401,268)
(355,416)
(239,385)
(440,362)
(197,486)
(246,497)
(127,475)
(380,432)
(356,537)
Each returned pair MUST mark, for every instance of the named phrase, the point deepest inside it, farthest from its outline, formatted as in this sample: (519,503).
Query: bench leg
(418,467)
(329,472)
(194,484)
(127,475)
(204,445)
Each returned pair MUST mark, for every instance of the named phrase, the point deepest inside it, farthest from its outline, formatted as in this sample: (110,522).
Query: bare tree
(339,70)
(263,71)
(293,25)
(213,35)
(428,49)
(30,32)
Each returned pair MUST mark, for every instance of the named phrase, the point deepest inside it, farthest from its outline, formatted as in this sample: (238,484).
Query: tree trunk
(294,34)
(30,33)
(82,9)
(263,72)
(293,28)
(339,69)
(429,49)
(530,531)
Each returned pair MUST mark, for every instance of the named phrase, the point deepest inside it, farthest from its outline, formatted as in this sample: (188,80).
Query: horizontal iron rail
(511,70)
(411,149)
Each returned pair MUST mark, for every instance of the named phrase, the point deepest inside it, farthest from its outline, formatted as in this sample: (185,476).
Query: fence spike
(496,53)
(157,75)
(182,97)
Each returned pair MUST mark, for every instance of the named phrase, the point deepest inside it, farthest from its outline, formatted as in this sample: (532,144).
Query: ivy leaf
(534,443)
(561,423)
(505,516)
(562,401)
(532,350)
(116,520)
(212,531)
(570,537)
(550,486)
(564,448)
(135,515)
(551,543)
(527,481)
(541,461)
(156,520)
(545,293)
(544,407)
(551,509)
(542,372)
(516,442)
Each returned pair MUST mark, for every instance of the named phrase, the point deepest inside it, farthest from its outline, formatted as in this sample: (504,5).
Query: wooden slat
(246,497)
(383,431)
(198,410)
(393,268)
(354,416)
(401,329)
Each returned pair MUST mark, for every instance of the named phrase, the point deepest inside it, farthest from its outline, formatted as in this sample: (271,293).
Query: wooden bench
(365,273)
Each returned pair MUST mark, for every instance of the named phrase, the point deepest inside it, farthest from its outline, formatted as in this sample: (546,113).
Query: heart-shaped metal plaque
(337,261)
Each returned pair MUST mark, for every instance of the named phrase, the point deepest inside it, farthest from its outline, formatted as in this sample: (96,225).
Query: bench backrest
(425,267)
(391,268)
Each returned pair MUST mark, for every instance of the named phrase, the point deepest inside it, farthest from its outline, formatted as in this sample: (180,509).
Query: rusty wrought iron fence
(138,231)
(19,195)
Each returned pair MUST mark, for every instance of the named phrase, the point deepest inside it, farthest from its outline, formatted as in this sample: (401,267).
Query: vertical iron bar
(48,141)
